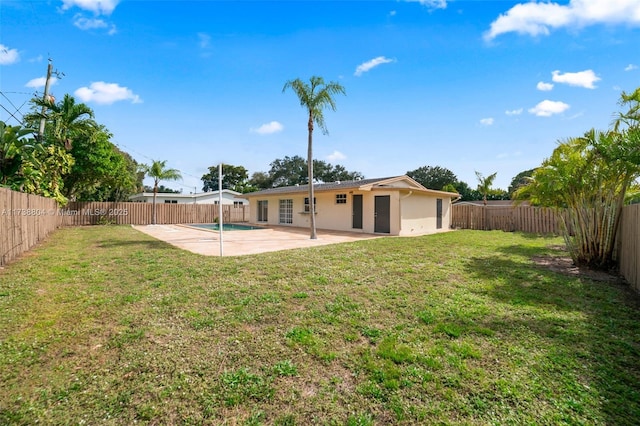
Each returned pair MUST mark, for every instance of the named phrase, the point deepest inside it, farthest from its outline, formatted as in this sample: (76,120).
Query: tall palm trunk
(312,207)
(155,193)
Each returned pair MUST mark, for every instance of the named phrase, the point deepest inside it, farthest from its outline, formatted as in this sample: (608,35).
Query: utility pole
(46,98)
(220,211)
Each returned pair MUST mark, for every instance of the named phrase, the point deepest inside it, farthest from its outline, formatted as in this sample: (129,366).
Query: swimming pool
(225,226)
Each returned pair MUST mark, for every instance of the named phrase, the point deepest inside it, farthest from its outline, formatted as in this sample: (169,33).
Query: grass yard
(105,325)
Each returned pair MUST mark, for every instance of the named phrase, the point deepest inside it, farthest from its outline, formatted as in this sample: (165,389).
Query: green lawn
(105,325)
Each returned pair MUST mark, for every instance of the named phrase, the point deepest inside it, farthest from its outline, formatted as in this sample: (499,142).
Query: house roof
(396,182)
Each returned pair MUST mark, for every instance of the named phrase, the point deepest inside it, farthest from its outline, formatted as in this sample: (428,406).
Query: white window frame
(285,211)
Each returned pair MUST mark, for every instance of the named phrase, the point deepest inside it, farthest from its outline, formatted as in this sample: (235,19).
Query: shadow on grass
(148,244)
(585,333)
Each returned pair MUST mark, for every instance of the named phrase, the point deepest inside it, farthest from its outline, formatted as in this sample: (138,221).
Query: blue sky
(488,86)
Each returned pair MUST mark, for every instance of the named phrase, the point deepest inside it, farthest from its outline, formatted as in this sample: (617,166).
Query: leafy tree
(294,170)
(72,158)
(235,178)
(45,170)
(588,176)
(158,171)
(66,120)
(289,171)
(15,149)
(338,173)
(450,188)
(433,177)
(519,180)
(100,169)
(485,184)
(314,96)
(630,118)
(261,180)
(466,192)
(162,190)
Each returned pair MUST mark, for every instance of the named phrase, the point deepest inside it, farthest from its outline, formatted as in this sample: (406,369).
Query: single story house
(228,197)
(394,206)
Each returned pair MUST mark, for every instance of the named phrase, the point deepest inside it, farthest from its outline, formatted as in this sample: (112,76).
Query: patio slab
(238,243)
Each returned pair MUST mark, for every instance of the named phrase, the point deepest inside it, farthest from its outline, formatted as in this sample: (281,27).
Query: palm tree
(485,184)
(66,119)
(314,97)
(158,172)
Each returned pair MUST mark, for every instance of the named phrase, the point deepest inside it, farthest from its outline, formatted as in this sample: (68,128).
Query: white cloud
(268,128)
(631,67)
(581,79)
(88,23)
(336,156)
(536,18)
(205,40)
(547,108)
(486,121)
(36,83)
(98,7)
(366,66)
(8,56)
(545,87)
(106,93)
(514,111)
(393,13)
(432,4)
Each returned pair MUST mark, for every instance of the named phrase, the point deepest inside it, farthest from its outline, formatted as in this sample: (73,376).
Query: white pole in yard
(220,207)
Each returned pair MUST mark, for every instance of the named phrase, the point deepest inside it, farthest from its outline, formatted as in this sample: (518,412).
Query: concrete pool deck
(238,243)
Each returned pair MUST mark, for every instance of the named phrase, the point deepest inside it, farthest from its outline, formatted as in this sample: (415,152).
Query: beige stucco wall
(329,215)
(418,214)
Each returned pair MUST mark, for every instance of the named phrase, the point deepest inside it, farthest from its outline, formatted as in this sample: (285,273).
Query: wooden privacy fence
(629,245)
(536,220)
(25,220)
(127,213)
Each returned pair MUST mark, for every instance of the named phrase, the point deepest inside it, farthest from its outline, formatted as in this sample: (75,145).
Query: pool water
(226,227)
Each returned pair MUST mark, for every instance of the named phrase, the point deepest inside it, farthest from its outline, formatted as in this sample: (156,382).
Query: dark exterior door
(357,212)
(382,214)
(438,213)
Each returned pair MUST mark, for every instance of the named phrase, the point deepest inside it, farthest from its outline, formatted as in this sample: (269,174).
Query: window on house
(341,198)
(286,211)
(237,204)
(263,212)
(171,201)
(306,204)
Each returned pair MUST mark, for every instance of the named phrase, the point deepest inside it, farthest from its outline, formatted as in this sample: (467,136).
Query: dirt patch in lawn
(565,265)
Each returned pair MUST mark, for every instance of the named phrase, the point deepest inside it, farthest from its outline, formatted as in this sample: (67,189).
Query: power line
(16,109)
(128,149)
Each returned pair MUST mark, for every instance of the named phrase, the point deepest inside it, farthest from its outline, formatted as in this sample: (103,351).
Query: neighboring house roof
(189,196)
(396,182)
